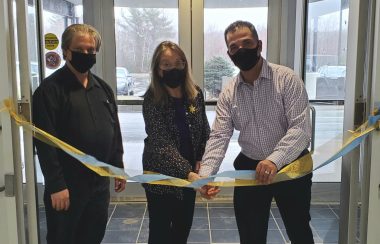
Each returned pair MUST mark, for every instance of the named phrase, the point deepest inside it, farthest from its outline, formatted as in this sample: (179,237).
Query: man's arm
(117,155)
(45,105)
(220,136)
(297,111)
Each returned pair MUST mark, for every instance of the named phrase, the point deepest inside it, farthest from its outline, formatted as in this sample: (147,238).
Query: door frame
(11,205)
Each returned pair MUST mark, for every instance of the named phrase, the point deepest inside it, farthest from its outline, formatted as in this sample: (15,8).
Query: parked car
(124,82)
(332,72)
(331,82)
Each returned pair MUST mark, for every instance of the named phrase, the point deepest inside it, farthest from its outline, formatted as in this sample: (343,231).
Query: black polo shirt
(85,118)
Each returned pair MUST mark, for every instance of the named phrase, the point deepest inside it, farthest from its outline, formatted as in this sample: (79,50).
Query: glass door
(325,74)
(325,80)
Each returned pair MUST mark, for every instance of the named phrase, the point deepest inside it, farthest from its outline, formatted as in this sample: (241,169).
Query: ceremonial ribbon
(296,169)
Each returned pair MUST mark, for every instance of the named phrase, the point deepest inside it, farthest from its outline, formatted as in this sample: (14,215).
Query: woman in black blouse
(177,129)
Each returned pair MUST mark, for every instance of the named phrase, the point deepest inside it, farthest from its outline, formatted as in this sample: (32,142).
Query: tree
(215,69)
(140,30)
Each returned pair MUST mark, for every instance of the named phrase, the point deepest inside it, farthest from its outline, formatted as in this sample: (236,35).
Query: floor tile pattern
(213,223)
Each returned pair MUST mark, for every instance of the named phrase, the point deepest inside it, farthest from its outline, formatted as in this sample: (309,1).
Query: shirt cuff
(205,171)
(278,159)
(56,185)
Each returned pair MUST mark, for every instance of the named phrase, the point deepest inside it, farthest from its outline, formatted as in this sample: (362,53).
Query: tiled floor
(213,223)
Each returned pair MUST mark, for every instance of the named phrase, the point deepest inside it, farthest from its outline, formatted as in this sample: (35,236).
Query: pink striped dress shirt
(272,116)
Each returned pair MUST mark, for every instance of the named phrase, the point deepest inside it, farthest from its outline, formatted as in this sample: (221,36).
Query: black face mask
(82,62)
(173,78)
(245,58)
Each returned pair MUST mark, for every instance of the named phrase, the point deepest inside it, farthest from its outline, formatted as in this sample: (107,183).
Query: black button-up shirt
(85,118)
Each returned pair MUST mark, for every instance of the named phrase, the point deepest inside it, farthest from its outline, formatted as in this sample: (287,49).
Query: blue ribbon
(233,174)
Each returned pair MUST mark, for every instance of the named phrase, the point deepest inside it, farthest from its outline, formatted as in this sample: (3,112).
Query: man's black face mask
(245,58)
(82,62)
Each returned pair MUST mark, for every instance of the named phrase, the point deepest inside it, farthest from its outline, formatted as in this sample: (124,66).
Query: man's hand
(60,200)
(119,184)
(209,192)
(266,170)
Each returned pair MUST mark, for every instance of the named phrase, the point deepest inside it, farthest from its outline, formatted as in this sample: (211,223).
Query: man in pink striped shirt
(269,105)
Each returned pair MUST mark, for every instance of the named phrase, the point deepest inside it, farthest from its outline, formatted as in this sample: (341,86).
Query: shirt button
(189,125)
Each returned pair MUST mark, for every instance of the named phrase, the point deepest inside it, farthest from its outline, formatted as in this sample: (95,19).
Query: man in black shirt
(79,108)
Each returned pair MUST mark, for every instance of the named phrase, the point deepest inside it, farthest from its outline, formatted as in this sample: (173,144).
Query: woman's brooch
(192,109)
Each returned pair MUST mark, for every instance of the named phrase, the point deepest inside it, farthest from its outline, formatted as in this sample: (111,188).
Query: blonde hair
(156,88)
(70,31)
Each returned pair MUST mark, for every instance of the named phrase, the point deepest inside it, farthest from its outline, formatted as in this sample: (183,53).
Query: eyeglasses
(168,66)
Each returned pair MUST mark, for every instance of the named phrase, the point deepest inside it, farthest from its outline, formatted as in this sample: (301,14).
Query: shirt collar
(92,81)
(265,73)
(70,76)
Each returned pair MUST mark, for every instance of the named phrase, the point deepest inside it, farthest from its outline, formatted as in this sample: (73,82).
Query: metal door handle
(313,113)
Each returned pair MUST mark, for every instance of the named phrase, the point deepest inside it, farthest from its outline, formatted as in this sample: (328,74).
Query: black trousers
(170,218)
(252,207)
(84,222)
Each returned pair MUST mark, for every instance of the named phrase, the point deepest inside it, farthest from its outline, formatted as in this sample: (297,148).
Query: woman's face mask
(173,78)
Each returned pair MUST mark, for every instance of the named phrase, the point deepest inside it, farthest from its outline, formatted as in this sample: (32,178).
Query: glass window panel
(325,74)
(139,27)
(326,50)
(217,16)
(57,16)
(32,47)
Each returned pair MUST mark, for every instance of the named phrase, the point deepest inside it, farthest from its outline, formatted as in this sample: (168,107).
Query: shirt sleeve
(45,107)
(117,156)
(220,136)
(170,161)
(298,134)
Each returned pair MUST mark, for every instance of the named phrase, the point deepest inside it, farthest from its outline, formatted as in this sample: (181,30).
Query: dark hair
(240,24)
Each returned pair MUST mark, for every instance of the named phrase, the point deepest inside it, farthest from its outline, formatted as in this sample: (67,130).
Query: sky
(220,17)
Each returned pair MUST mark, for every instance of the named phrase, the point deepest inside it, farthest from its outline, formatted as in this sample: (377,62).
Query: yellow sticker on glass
(51,41)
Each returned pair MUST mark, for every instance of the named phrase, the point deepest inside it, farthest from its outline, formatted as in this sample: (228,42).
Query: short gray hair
(70,31)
